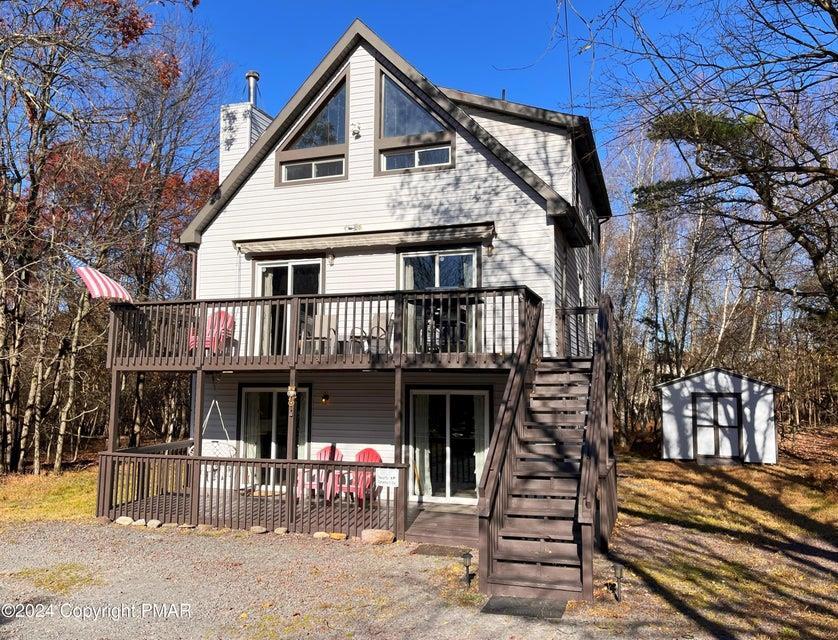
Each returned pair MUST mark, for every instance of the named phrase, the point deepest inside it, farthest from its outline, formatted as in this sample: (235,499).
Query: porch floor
(449,524)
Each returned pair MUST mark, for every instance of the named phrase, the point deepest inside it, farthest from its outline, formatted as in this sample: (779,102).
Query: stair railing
(596,443)
(495,479)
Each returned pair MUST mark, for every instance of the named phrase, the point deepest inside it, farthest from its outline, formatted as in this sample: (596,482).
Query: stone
(337,536)
(139,522)
(258,529)
(124,521)
(280,531)
(203,527)
(377,536)
(153,524)
(170,525)
(186,525)
(321,535)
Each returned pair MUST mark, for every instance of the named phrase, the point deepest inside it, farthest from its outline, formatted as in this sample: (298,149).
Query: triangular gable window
(402,116)
(328,126)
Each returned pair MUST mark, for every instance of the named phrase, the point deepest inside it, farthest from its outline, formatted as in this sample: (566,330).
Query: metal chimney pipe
(252,78)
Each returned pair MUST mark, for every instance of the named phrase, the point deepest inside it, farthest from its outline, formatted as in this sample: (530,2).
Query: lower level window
(313,170)
(428,157)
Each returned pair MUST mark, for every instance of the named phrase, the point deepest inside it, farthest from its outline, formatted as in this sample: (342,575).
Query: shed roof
(722,370)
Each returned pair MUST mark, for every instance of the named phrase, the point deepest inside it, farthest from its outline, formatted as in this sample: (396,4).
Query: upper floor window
(317,147)
(408,135)
(328,126)
(401,115)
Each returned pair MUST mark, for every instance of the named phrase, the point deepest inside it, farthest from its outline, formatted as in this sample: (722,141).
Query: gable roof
(718,370)
(580,131)
(566,216)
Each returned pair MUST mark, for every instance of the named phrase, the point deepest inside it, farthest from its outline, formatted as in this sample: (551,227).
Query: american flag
(98,284)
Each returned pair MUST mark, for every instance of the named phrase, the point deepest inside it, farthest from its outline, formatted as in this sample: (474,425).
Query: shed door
(717,423)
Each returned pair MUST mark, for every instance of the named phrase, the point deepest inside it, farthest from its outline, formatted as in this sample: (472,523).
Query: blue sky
(472,45)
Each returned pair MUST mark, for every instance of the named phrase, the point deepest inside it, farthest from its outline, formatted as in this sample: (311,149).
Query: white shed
(718,414)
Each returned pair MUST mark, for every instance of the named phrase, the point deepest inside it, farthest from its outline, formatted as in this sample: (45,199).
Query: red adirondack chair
(220,327)
(360,482)
(318,479)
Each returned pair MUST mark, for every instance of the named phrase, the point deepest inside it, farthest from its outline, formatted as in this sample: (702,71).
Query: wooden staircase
(536,541)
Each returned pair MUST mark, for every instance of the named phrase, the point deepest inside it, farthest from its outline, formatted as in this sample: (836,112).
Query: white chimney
(241,125)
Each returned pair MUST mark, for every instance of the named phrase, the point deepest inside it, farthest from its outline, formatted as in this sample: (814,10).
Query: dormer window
(317,148)
(409,136)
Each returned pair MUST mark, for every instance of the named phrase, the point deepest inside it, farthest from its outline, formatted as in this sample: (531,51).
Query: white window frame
(416,151)
(264,264)
(437,254)
(313,164)
(275,391)
(488,410)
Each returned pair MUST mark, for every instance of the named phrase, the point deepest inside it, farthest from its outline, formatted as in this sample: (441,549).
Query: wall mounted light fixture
(324,399)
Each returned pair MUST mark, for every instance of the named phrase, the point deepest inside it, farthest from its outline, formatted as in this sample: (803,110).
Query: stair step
(536,432)
(565,363)
(542,576)
(563,553)
(552,392)
(551,487)
(537,528)
(546,507)
(562,377)
(551,404)
(550,449)
(546,468)
(550,418)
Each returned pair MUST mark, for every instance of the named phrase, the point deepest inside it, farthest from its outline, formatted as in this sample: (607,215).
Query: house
(718,414)
(396,324)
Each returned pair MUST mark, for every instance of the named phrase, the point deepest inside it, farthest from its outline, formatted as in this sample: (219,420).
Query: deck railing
(303,496)
(448,327)
(576,331)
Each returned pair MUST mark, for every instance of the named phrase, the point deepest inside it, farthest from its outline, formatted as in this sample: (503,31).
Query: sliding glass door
(264,423)
(450,433)
(285,279)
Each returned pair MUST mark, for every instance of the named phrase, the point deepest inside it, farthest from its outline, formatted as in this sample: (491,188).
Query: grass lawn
(718,552)
(27,498)
(737,551)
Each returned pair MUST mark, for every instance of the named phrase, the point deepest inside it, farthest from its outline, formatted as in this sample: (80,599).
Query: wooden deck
(448,524)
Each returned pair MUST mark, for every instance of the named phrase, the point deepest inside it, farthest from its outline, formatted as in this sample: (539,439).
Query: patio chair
(321,334)
(318,479)
(219,331)
(359,483)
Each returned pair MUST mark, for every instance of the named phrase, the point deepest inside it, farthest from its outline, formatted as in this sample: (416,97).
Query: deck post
(197,412)
(397,418)
(197,438)
(113,417)
(291,446)
(398,334)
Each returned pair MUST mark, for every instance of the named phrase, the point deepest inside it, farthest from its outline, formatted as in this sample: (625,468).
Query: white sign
(388,478)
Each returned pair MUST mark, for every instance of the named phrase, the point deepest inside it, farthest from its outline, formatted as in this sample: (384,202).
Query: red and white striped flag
(98,284)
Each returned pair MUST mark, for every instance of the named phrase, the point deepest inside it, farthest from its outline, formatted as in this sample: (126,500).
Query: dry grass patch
(61,578)
(453,589)
(68,496)
(736,551)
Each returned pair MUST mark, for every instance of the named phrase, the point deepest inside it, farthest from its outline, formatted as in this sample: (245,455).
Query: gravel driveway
(236,585)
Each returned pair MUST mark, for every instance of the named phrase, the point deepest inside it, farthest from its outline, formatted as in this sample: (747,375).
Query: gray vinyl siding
(359,413)
(546,150)
(477,189)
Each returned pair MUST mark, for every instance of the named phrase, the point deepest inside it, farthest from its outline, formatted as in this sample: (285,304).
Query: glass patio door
(444,324)
(450,433)
(265,425)
(285,279)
